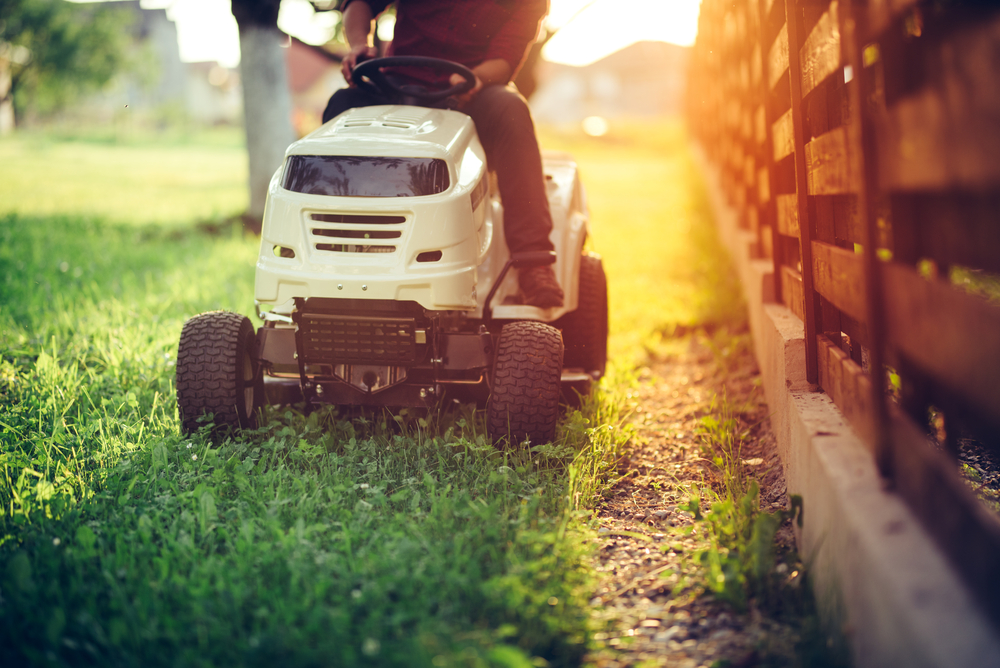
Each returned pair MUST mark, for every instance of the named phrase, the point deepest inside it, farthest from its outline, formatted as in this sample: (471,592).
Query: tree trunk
(6,97)
(267,101)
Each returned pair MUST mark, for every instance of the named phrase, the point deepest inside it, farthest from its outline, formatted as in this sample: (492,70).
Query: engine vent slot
(358,234)
(356,219)
(355,248)
(336,339)
(401,121)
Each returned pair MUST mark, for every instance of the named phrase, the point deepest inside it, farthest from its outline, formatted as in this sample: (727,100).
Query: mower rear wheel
(217,373)
(585,330)
(524,402)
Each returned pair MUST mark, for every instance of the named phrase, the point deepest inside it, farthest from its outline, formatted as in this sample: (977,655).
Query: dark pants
(507,133)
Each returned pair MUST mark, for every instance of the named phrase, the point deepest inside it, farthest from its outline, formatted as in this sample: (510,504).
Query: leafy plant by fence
(858,142)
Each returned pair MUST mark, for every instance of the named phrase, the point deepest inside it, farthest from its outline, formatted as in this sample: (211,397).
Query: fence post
(863,156)
(802,189)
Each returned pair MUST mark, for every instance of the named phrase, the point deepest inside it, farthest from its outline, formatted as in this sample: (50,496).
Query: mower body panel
(375,299)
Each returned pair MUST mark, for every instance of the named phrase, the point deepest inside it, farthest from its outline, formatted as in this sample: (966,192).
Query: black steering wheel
(368,76)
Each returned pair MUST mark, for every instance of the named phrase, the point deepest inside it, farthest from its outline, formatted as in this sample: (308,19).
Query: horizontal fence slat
(820,54)
(756,65)
(792,292)
(946,134)
(949,228)
(777,57)
(848,387)
(952,336)
(948,509)
(763,186)
(828,164)
(783,136)
(788,215)
(881,13)
(855,329)
(760,125)
(838,275)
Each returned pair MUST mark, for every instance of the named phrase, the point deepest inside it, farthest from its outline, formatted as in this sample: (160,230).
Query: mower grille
(350,339)
(360,227)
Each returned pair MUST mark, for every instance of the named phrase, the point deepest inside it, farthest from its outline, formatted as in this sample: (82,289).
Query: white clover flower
(56,541)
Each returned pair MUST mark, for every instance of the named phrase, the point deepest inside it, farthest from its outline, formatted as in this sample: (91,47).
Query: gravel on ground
(649,604)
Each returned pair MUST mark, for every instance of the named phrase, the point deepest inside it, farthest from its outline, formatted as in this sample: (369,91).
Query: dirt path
(643,554)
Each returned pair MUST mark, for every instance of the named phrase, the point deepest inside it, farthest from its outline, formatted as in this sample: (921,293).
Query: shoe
(539,287)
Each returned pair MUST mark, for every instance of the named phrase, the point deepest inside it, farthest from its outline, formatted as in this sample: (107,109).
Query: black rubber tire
(585,330)
(524,402)
(217,373)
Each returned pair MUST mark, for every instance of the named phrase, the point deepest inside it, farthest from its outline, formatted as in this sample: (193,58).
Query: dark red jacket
(464,31)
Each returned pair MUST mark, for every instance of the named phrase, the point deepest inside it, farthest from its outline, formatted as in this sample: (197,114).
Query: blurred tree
(51,51)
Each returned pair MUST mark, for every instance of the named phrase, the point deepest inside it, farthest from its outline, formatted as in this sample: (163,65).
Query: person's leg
(507,133)
(348,98)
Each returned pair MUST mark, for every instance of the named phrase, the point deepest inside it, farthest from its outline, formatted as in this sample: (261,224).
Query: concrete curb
(876,572)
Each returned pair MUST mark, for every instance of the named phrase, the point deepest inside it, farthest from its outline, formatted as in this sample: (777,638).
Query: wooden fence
(860,142)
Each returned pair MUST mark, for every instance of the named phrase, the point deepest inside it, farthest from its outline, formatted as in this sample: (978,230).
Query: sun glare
(588,30)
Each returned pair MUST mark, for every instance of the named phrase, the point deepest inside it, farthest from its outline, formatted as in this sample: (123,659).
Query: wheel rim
(247,384)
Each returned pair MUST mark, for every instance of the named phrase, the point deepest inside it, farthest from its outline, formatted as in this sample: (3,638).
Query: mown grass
(171,178)
(385,539)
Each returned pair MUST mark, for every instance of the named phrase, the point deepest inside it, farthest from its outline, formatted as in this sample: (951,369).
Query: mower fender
(467,351)
(276,347)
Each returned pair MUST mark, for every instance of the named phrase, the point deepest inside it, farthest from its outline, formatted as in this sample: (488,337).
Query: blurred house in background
(165,90)
(642,80)
(313,75)
(159,87)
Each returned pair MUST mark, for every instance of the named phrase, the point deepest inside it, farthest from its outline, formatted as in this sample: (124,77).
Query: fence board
(945,136)
(777,57)
(839,276)
(953,228)
(951,335)
(828,164)
(881,13)
(756,63)
(763,186)
(855,329)
(964,529)
(848,387)
(788,215)
(792,292)
(760,125)
(820,55)
(783,136)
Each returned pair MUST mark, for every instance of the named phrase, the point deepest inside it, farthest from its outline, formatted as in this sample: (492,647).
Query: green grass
(174,179)
(320,539)
(316,539)
(652,222)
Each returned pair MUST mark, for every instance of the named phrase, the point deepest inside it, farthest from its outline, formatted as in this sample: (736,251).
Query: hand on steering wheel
(368,76)
(357,55)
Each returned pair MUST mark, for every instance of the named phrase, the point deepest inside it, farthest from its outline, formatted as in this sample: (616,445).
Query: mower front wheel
(524,402)
(217,373)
